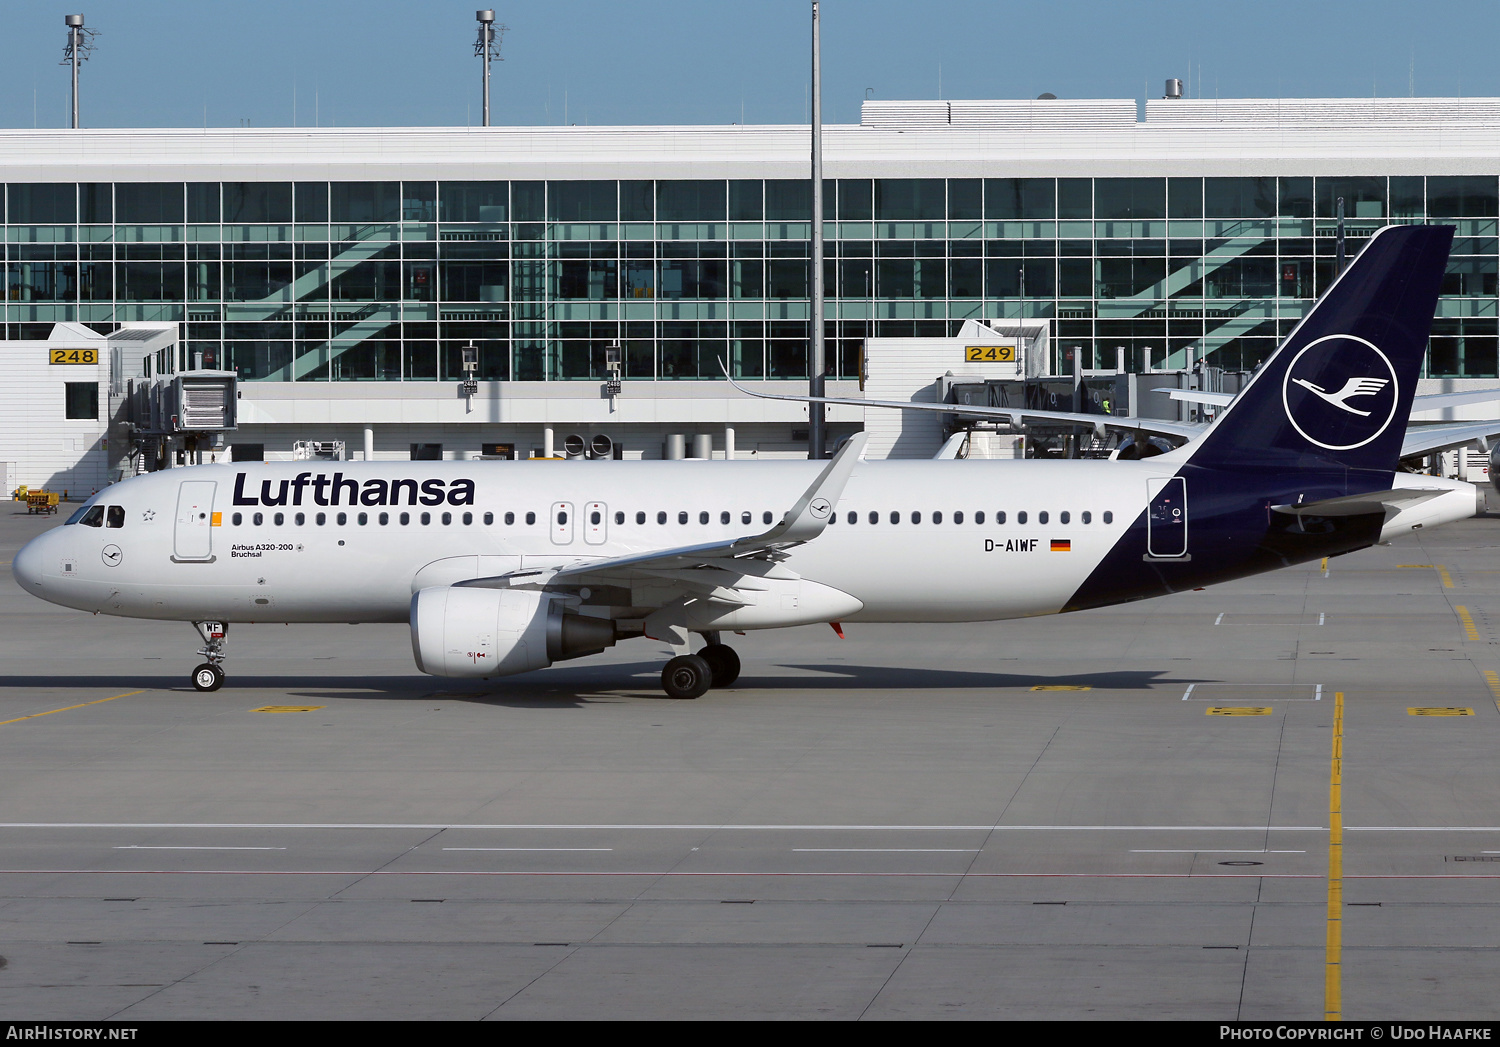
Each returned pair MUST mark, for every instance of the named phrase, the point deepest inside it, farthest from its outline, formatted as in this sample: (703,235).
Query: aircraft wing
(1437,401)
(1197,396)
(1430,439)
(711,566)
(1013,415)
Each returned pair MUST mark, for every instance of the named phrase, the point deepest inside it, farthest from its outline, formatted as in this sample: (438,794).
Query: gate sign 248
(73,356)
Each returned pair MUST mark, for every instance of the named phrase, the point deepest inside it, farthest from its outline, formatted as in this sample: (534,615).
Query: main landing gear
(691,675)
(210,675)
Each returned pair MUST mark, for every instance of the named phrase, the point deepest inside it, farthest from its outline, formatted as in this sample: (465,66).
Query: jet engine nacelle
(1459,501)
(471,631)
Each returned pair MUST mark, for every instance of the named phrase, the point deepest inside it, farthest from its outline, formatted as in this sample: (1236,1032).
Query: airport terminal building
(339,272)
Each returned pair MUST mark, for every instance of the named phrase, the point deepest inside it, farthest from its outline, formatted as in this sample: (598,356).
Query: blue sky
(165,63)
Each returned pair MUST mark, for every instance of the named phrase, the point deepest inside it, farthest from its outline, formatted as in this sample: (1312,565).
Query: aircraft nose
(27,566)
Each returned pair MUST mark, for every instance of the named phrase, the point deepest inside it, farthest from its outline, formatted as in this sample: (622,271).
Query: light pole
(487,47)
(815,414)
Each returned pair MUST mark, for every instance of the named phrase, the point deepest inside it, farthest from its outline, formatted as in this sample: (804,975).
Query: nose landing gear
(210,675)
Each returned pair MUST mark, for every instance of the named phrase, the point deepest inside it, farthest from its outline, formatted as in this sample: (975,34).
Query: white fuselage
(238,563)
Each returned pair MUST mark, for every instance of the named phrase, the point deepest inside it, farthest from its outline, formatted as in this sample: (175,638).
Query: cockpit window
(77,514)
(94,517)
(114,516)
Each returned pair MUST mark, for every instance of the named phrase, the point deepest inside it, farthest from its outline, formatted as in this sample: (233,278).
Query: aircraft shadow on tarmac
(579,686)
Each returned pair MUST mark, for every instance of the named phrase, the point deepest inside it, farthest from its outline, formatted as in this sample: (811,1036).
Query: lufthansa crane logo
(1340,392)
(820,507)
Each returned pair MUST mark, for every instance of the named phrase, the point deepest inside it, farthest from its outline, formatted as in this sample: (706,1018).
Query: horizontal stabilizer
(1364,504)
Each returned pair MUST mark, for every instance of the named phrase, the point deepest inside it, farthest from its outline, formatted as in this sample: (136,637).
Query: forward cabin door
(1166,518)
(595,523)
(192,539)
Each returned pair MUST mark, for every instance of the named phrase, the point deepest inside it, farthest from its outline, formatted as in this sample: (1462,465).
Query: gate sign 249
(990,354)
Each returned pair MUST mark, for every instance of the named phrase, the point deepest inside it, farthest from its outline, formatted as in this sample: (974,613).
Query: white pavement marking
(885,850)
(1203,850)
(1220,618)
(1189,692)
(163,847)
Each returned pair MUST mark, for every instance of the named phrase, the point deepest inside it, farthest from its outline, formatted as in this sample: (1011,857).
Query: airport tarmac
(1031,819)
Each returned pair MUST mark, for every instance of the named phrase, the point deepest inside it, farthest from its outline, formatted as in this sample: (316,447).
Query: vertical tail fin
(1339,390)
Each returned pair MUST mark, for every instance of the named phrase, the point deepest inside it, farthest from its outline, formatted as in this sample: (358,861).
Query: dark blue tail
(1339,390)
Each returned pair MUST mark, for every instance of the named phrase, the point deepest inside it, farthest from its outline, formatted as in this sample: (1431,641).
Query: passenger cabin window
(1041,517)
(661,517)
(979,517)
(1109,517)
(766,518)
(341,519)
(114,516)
(724,517)
(1088,517)
(682,517)
(405,519)
(874,516)
(1000,517)
(301,518)
(958,517)
(236,519)
(530,518)
(321,519)
(937,516)
(280,518)
(1021,517)
(640,518)
(1064,517)
(853,516)
(489,518)
(703,517)
(745,517)
(619,518)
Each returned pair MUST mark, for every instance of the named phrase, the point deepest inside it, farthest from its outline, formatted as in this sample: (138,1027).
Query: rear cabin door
(1166,517)
(192,540)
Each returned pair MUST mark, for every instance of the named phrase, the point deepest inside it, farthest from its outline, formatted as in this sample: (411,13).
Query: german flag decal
(1062,545)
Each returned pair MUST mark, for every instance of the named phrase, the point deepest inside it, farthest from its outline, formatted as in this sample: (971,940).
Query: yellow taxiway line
(66,708)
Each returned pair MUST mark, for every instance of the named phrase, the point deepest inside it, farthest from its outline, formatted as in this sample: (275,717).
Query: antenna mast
(78,48)
(487,47)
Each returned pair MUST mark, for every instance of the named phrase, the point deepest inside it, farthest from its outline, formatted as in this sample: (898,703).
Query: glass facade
(369,281)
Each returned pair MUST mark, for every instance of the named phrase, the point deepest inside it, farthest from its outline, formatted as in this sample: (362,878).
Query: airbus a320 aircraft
(504,568)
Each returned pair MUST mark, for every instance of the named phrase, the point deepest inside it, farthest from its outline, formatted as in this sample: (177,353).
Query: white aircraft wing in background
(1013,415)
